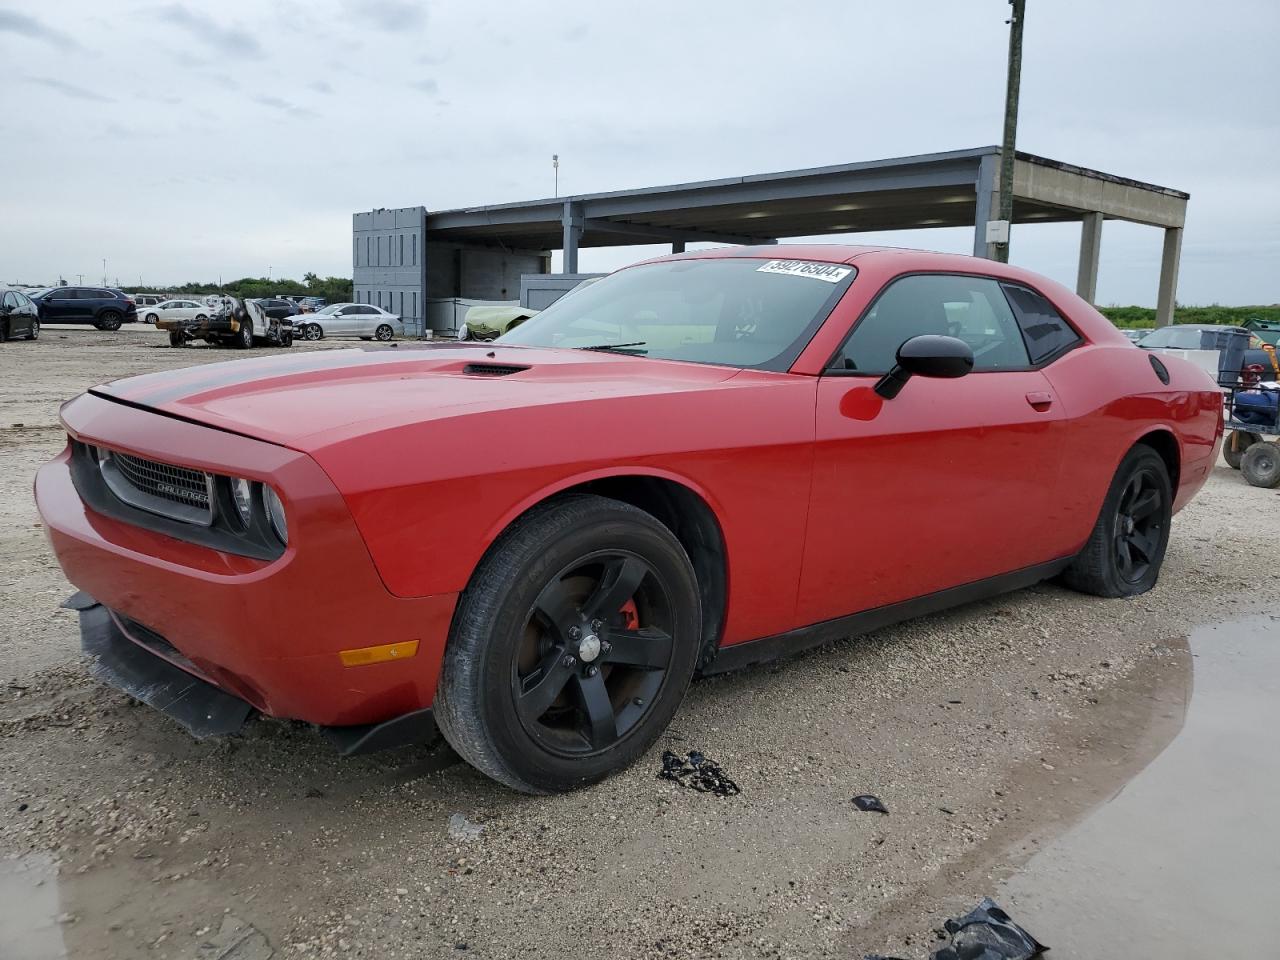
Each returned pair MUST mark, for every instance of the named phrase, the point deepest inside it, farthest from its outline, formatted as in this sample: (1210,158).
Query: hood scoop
(492,369)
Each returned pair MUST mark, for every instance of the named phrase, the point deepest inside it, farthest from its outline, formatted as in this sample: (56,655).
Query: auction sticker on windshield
(807,268)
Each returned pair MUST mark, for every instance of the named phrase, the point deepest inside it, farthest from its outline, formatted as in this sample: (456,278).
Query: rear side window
(1046,333)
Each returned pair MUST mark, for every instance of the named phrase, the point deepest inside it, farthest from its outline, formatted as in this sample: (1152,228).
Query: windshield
(734,311)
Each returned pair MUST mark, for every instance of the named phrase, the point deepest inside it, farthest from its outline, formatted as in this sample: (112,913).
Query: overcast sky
(191,140)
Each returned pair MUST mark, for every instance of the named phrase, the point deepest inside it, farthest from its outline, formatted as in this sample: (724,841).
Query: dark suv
(104,307)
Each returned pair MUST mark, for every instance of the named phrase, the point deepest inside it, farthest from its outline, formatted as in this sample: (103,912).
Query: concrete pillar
(677,246)
(1090,246)
(571,221)
(988,205)
(1169,276)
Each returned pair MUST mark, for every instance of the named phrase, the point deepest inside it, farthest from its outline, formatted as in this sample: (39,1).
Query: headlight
(242,497)
(275,510)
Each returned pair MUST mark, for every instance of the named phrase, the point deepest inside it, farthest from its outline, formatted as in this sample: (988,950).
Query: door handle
(1040,400)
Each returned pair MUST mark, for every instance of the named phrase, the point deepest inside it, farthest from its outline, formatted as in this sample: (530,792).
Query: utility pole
(1007,145)
(104,271)
(555,164)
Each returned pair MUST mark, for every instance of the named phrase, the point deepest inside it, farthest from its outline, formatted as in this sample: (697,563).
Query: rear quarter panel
(1113,398)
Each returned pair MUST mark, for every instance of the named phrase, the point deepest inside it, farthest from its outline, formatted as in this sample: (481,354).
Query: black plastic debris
(869,804)
(698,773)
(987,933)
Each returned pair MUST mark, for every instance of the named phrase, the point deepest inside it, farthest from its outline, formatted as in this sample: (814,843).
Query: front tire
(572,646)
(1126,549)
(109,320)
(313,332)
(152,318)
(34,332)
(243,337)
(177,338)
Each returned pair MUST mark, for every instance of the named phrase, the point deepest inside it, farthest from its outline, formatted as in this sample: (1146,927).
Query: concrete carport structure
(959,188)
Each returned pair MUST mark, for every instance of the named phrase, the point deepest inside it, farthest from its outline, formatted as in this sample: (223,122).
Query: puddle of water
(1184,862)
(29,928)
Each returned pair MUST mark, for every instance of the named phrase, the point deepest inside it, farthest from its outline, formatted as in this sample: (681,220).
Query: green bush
(1146,316)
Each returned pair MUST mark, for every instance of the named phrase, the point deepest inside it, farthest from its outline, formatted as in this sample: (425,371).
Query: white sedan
(362,320)
(175,310)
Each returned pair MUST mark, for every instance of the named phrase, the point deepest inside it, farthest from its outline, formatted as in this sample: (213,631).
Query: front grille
(179,484)
(180,493)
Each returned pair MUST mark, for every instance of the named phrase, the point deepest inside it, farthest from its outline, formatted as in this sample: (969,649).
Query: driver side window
(974,309)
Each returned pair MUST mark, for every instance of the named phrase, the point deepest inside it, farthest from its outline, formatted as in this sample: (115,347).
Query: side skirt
(751,652)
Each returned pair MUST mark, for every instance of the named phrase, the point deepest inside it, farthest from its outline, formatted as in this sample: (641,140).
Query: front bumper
(269,632)
(135,661)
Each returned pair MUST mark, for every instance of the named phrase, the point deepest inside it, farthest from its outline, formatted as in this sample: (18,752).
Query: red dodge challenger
(696,464)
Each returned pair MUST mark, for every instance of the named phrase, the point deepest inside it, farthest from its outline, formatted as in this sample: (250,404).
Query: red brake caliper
(630,616)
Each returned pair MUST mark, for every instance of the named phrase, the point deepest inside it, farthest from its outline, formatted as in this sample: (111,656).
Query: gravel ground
(985,731)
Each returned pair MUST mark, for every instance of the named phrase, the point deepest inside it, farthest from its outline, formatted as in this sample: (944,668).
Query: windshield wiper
(620,347)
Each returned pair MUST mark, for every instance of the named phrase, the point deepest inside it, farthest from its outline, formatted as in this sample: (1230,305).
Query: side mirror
(928,355)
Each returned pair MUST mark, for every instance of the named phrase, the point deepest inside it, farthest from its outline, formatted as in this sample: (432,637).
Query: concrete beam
(654,232)
(1168,293)
(1090,247)
(571,222)
(1058,187)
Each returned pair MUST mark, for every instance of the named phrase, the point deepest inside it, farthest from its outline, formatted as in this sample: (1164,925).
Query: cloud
(320,86)
(427,85)
(230,40)
(21,24)
(284,106)
(70,89)
(393,15)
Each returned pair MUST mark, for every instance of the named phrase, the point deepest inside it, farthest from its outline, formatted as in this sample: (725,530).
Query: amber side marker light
(379,654)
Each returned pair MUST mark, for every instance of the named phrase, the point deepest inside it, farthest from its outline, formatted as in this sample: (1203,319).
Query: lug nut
(592,671)
(605,646)
(574,633)
(596,625)
(569,660)
(638,701)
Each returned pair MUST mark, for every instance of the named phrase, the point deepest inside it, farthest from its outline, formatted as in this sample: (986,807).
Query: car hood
(307,401)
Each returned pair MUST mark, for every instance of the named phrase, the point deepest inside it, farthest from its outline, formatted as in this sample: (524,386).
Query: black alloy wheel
(1126,548)
(109,320)
(571,647)
(586,668)
(1139,525)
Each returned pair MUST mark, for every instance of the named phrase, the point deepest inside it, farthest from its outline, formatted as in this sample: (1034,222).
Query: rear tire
(384,332)
(4,331)
(1244,440)
(1123,555)
(177,339)
(1261,464)
(109,320)
(571,647)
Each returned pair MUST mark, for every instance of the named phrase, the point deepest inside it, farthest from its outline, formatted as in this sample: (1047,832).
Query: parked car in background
(19,316)
(362,320)
(312,304)
(278,307)
(695,465)
(149,299)
(175,310)
(104,307)
(240,325)
(1135,333)
(1190,336)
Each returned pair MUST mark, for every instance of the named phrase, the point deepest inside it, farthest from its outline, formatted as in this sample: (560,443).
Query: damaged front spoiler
(200,707)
